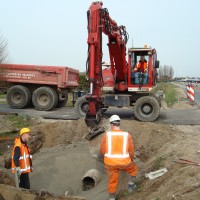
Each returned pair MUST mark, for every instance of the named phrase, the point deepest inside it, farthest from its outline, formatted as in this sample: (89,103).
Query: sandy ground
(62,156)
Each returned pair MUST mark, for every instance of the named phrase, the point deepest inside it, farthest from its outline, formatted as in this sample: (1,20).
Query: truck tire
(18,96)
(62,103)
(45,98)
(147,109)
(81,106)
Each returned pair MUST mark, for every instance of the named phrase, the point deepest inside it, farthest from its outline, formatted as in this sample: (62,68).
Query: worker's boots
(112,196)
(131,184)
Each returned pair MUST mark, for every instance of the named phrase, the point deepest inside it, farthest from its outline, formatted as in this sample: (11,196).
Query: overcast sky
(54,32)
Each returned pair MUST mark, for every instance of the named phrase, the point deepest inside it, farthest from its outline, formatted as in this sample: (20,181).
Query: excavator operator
(141,69)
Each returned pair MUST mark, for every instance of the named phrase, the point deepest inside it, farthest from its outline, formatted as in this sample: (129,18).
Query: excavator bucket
(94,121)
(94,132)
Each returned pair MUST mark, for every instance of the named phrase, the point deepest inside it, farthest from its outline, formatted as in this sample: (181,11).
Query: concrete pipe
(90,179)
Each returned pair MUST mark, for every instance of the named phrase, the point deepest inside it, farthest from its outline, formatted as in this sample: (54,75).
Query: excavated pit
(63,157)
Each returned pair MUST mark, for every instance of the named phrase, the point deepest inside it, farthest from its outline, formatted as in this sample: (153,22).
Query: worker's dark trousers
(24,181)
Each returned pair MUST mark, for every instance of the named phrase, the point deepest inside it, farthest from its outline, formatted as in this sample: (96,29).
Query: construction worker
(118,150)
(141,69)
(22,159)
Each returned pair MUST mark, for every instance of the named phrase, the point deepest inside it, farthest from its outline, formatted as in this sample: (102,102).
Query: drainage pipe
(90,179)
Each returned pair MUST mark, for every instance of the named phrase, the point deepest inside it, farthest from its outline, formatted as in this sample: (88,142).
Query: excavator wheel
(81,106)
(147,109)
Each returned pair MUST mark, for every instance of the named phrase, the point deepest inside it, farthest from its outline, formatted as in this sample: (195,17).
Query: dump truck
(46,87)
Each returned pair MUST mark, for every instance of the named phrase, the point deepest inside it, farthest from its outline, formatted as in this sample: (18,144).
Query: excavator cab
(142,75)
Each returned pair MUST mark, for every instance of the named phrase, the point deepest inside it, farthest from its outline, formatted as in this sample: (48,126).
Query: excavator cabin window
(139,68)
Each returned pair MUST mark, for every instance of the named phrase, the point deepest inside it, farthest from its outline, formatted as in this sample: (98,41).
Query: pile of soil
(58,132)
(158,147)
(8,192)
(5,178)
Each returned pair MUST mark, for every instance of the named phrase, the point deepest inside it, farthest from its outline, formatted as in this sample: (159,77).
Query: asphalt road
(59,113)
(179,116)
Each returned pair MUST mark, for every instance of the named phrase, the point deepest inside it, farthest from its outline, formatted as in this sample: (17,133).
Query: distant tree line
(165,73)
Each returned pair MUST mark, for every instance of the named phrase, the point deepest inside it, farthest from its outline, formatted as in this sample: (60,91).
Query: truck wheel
(45,98)
(61,103)
(81,106)
(147,109)
(18,96)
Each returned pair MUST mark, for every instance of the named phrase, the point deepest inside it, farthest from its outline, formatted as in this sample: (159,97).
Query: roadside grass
(2,96)
(3,99)
(18,122)
(171,94)
(69,102)
(3,102)
(158,163)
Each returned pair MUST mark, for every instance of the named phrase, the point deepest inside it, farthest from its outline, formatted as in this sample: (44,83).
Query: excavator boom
(100,22)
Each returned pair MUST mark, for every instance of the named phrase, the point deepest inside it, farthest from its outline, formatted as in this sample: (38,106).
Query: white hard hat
(114,118)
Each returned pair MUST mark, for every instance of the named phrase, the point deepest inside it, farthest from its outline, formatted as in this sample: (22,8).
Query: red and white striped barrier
(190,92)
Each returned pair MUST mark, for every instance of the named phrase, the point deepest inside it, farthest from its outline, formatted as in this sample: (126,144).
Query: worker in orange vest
(118,150)
(141,68)
(22,159)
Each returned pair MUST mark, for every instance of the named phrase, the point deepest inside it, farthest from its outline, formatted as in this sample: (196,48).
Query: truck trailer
(46,87)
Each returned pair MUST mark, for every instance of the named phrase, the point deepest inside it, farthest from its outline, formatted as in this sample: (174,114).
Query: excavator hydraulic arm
(100,22)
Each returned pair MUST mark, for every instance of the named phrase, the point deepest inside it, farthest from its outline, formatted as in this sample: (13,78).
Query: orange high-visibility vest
(141,66)
(117,148)
(24,159)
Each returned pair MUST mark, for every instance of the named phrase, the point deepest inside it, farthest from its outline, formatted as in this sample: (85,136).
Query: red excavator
(118,85)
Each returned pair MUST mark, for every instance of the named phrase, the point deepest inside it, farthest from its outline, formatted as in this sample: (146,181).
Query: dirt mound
(157,147)
(5,178)
(53,133)
(12,193)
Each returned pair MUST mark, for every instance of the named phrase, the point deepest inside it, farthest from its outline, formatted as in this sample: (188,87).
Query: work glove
(18,171)
(135,69)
